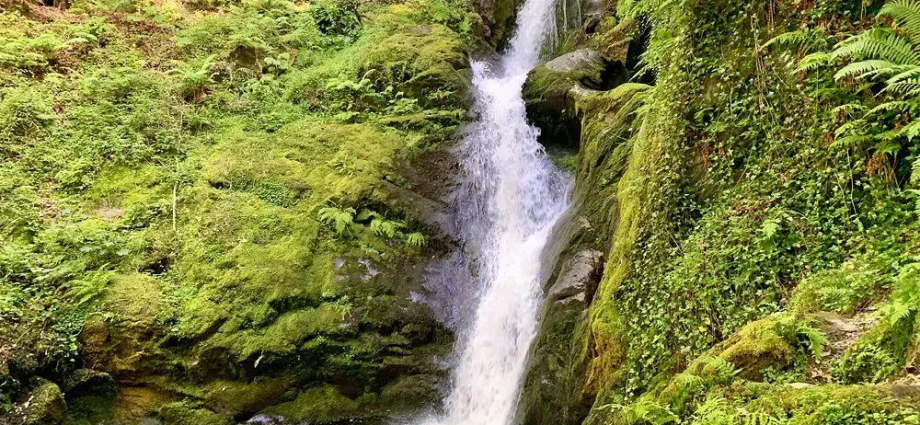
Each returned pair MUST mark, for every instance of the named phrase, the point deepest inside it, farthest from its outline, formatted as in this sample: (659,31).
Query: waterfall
(510,198)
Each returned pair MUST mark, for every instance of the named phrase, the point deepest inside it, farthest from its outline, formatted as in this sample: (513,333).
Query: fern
(416,239)
(868,69)
(724,370)
(760,418)
(893,106)
(341,219)
(89,287)
(809,39)
(878,43)
(388,228)
(814,61)
(906,13)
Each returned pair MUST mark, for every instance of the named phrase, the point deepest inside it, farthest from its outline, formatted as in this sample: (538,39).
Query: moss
(136,297)
(829,404)
(46,405)
(757,347)
(286,334)
(552,90)
(320,405)
(185,414)
(186,212)
(878,354)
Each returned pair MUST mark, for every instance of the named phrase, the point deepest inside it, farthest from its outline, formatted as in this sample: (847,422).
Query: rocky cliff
(756,252)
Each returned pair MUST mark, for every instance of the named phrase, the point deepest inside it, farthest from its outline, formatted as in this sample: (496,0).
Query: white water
(511,197)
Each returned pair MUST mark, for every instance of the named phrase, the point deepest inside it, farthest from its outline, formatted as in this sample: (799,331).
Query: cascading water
(509,201)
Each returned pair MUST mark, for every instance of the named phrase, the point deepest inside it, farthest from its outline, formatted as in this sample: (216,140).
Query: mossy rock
(318,405)
(135,297)
(552,90)
(553,378)
(45,405)
(185,414)
(756,348)
(236,398)
(499,16)
(878,354)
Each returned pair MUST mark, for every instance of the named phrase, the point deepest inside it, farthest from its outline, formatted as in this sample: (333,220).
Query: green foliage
(868,364)
(24,111)
(89,286)
(340,219)
(337,17)
(194,79)
(161,185)
(643,411)
(741,190)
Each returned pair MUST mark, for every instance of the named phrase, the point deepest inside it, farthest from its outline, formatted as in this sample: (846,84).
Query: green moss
(244,398)
(286,334)
(167,170)
(185,414)
(811,406)
(46,405)
(136,297)
(878,354)
(321,404)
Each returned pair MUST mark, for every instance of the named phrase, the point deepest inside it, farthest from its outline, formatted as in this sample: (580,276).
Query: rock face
(552,90)
(550,387)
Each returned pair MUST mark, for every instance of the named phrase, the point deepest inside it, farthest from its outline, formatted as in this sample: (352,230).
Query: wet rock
(184,414)
(550,384)
(44,406)
(552,90)
(498,16)
(88,381)
(579,281)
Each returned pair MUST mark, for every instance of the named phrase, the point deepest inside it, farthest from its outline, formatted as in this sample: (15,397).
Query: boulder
(548,396)
(552,90)
(44,406)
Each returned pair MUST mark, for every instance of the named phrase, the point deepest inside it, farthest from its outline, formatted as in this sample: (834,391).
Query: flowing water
(510,199)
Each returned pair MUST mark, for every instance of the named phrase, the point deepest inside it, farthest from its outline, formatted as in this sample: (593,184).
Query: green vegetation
(210,209)
(758,203)
(199,201)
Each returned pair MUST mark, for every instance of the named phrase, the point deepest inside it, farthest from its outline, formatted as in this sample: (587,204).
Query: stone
(45,405)
(548,396)
(552,90)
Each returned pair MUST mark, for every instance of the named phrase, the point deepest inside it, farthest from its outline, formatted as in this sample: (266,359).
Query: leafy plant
(337,17)
(89,286)
(195,79)
(340,218)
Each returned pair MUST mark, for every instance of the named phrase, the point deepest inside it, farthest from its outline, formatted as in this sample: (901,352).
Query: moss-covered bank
(212,210)
(757,254)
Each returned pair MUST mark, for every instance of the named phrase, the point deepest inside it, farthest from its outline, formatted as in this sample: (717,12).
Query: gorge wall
(740,253)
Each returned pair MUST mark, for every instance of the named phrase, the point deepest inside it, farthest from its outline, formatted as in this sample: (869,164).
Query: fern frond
(809,39)
(878,43)
(907,15)
(906,86)
(855,126)
(813,61)
(911,131)
(849,109)
(905,73)
(893,106)
(915,171)
(868,69)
